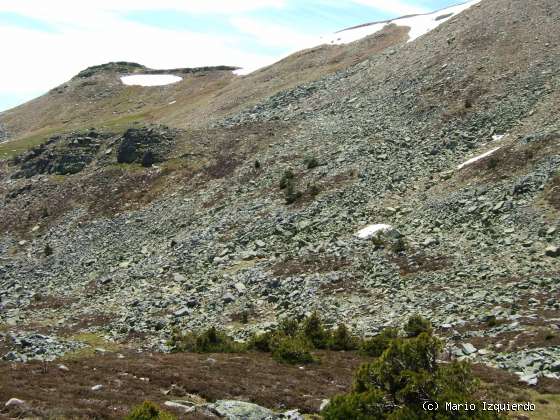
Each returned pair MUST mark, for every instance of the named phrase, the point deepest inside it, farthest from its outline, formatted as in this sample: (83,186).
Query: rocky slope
(204,233)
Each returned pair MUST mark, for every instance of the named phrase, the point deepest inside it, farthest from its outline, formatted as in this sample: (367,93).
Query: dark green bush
(341,339)
(310,162)
(293,350)
(376,345)
(314,331)
(396,384)
(357,406)
(209,341)
(416,325)
(492,321)
(287,176)
(313,190)
(291,193)
(48,250)
(289,327)
(149,411)
(262,342)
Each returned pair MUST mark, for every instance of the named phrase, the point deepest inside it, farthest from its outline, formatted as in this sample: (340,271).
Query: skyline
(57,39)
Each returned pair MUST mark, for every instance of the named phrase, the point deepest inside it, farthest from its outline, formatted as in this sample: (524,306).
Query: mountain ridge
(449,141)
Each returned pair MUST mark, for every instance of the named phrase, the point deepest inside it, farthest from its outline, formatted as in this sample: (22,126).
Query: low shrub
(396,384)
(417,325)
(261,342)
(314,331)
(289,327)
(209,341)
(292,350)
(291,194)
(358,406)
(149,411)
(310,162)
(342,340)
(287,176)
(376,345)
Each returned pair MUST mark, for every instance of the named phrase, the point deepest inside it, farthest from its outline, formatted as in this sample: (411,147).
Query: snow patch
(474,159)
(372,230)
(244,71)
(419,25)
(150,79)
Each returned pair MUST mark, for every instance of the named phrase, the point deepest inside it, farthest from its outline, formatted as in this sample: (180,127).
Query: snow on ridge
(477,158)
(419,25)
(244,71)
(150,79)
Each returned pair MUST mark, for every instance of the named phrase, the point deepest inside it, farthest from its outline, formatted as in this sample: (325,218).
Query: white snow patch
(474,159)
(497,137)
(371,230)
(419,25)
(150,79)
(244,71)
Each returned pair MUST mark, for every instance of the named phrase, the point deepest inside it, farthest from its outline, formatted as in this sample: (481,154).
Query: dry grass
(253,377)
(511,159)
(310,264)
(418,262)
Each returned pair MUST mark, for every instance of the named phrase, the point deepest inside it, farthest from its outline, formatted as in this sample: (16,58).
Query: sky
(47,42)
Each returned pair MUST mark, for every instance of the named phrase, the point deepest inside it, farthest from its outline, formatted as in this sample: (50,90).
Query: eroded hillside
(377,132)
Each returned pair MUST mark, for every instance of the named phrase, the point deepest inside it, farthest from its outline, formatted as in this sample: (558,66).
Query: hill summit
(367,181)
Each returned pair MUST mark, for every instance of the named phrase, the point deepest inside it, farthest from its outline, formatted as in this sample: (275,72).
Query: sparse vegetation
(292,350)
(310,162)
(286,177)
(48,251)
(291,193)
(149,411)
(209,341)
(288,184)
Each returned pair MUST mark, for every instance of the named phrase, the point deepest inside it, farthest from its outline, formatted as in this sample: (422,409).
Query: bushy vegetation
(417,325)
(288,184)
(292,350)
(404,373)
(313,330)
(404,376)
(376,345)
(287,176)
(149,411)
(291,193)
(209,341)
(341,339)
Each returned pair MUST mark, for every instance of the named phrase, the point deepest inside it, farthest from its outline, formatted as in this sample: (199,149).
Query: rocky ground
(120,254)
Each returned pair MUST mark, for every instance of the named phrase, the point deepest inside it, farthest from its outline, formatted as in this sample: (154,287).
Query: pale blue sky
(52,40)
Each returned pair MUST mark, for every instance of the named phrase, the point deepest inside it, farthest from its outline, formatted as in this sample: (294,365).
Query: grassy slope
(102,101)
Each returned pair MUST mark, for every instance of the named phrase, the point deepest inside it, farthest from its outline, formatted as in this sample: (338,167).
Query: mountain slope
(207,234)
